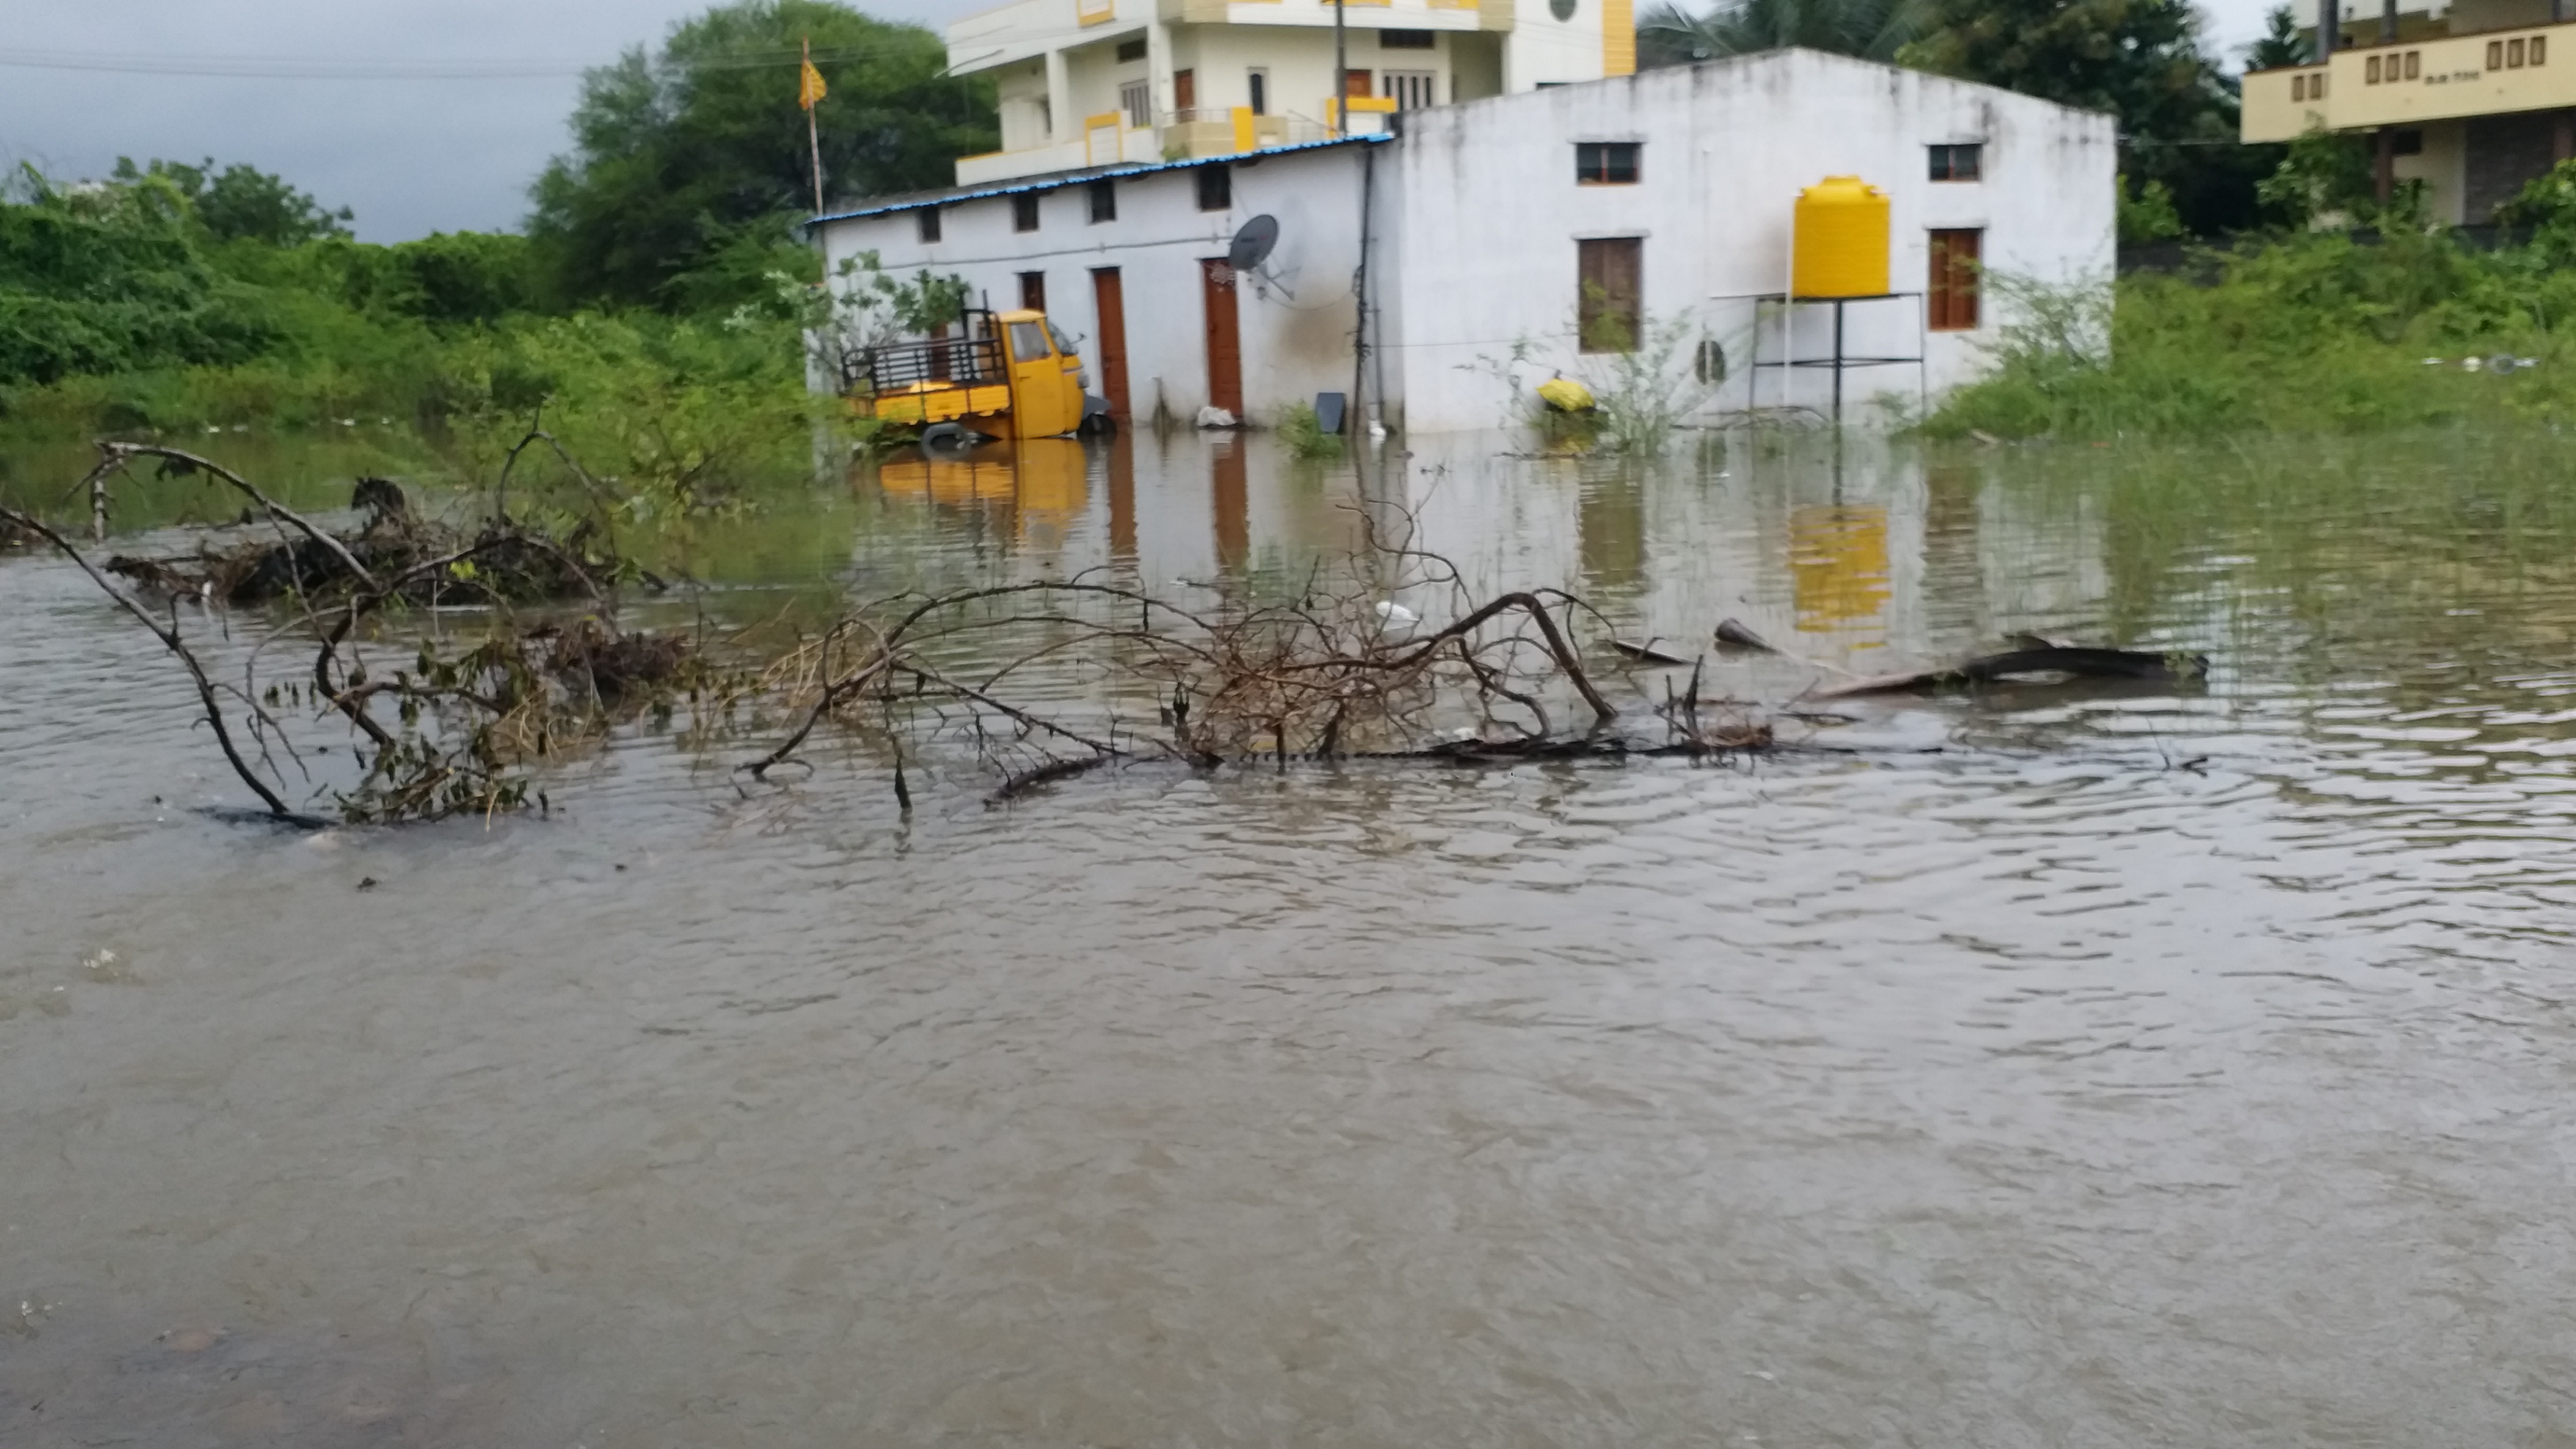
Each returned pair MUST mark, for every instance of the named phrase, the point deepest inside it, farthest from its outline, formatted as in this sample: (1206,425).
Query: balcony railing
(2408,81)
(1177,135)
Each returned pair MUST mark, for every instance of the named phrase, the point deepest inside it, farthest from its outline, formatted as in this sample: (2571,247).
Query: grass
(1303,435)
(2312,335)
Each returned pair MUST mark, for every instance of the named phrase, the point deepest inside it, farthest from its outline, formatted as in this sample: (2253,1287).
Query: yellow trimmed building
(2473,98)
(1088,83)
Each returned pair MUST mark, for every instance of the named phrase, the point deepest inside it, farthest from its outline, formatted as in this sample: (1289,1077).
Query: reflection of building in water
(1956,607)
(1838,565)
(1191,506)
(1858,554)
(1230,488)
(1610,519)
(1042,483)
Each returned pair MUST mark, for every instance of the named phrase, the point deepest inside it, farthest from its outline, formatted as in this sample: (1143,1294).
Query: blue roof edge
(1053,180)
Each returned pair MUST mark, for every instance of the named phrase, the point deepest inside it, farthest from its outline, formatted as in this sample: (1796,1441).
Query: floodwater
(2068,1066)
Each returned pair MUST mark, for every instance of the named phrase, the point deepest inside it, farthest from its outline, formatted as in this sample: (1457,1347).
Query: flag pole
(813,140)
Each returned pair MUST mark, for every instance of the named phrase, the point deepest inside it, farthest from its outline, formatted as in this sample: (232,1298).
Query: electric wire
(354,68)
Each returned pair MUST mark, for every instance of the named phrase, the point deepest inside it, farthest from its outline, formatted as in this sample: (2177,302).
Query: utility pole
(2329,27)
(1342,75)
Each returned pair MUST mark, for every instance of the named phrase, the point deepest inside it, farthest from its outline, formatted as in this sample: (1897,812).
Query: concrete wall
(1300,62)
(2443,168)
(1485,216)
(1295,330)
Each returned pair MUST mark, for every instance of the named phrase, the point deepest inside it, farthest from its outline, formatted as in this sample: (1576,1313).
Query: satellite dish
(1252,244)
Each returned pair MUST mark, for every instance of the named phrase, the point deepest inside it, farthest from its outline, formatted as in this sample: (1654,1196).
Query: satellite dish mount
(1251,249)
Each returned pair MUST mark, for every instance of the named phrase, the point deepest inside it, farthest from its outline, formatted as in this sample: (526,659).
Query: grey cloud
(409,156)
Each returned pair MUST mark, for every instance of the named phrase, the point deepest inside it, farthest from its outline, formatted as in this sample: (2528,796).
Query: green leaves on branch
(689,167)
(2311,334)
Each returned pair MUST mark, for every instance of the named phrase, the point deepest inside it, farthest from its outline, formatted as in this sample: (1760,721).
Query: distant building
(1099,82)
(1522,235)
(2473,98)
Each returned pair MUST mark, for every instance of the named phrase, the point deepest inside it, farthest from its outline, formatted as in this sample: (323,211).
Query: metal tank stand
(1838,360)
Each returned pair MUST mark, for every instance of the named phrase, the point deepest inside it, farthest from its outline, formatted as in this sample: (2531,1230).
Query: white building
(1664,198)
(1096,82)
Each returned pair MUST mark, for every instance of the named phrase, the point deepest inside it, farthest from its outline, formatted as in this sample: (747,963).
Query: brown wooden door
(1033,291)
(1109,299)
(1359,83)
(1185,91)
(1951,305)
(1610,277)
(1224,336)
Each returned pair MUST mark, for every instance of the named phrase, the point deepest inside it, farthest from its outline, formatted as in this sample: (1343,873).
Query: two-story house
(1097,82)
(2471,97)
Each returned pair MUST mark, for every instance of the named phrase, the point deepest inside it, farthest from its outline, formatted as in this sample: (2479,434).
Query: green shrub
(1303,433)
(2315,333)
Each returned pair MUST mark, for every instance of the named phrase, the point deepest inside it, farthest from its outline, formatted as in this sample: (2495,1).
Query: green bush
(1303,433)
(2315,333)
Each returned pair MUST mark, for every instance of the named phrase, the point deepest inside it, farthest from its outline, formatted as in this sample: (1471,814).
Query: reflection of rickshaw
(1039,475)
(1011,375)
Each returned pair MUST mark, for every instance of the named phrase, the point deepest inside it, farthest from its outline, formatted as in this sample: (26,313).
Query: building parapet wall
(2495,73)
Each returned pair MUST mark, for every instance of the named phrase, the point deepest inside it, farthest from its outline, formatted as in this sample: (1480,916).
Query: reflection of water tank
(1840,246)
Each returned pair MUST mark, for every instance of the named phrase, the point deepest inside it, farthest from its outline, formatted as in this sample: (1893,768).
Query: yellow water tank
(1840,246)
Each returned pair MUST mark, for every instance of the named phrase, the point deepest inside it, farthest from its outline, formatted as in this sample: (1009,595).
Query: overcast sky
(410,155)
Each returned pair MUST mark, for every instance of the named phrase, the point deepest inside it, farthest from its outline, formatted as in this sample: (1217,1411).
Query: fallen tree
(435,731)
(1036,682)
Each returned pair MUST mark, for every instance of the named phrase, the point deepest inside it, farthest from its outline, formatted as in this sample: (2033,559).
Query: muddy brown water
(2072,1066)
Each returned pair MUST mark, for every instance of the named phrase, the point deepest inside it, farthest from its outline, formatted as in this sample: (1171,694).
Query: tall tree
(689,167)
(2137,59)
(1871,29)
(243,202)
(2283,43)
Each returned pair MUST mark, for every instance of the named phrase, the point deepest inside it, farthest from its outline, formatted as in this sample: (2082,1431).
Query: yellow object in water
(1565,395)
(1840,243)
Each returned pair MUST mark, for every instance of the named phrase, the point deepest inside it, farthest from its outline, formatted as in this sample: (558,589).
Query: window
(2513,53)
(928,216)
(1032,296)
(1216,187)
(1963,162)
(2415,60)
(1028,341)
(1410,89)
(1606,309)
(1952,302)
(2539,53)
(1024,211)
(1185,91)
(2495,55)
(2406,143)
(2298,88)
(1104,201)
(1130,50)
(1136,98)
(1407,40)
(1605,163)
(2370,71)
(1257,81)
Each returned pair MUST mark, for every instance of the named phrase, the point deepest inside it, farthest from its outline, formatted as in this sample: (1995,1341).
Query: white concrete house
(1098,82)
(1664,198)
